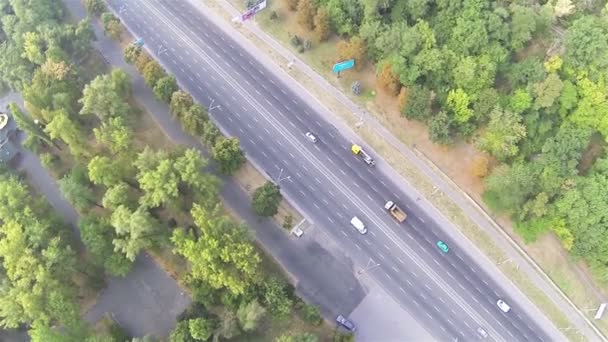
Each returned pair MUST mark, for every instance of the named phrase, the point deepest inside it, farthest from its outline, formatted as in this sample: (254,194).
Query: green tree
(509,187)
(152,73)
(104,171)
(458,103)
(132,53)
(548,91)
(97,235)
(25,123)
(111,25)
(440,128)
(95,7)
(523,25)
(345,15)
(181,333)
(227,152)
(266,199)
(165,87)
(33,45)
(229,326)
(584,43)
(77,190)
(276,298)
(101,97)
(418,103)
(520,101)
(116,196)
(62,127)
(194,118)
(250,315)
(115,135)
(160,184)
(201,329)
(181,101)
(503,134)
(222,256)
(210,133)
(190,167)
(135,230)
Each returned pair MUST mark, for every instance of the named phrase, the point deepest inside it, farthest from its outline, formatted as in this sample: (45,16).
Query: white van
(355,222)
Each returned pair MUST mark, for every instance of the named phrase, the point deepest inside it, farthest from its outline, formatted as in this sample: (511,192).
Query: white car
(359,226)
(311,137)
(503,306)
(482,332)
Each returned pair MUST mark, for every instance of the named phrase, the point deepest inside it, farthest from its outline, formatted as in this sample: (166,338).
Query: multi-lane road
(447,293)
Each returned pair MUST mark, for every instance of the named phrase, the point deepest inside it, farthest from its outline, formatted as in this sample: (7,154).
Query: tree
(418,103)
(181,101)
(503,134)
(152,73)
(229,326)
(115,135)
(181,333)
(190,167)
(95,7)
(25,123)
(523,25)
(321,25)
(201,329)
(62,127)
(104,171)
(116,196)
(266,199)
(440,129)
(509,187)
(353,49)
(458,103)
(305,13)
(276,299)
(222,256)
(97,235)
(111,25)
(77,190)
(563,8)
(227,152)
(210,133)
(346,16)
(135,230)
(548,91)
(33,46)
(165,87)
(160,184)
(520,101)
(388,80)
(101,97)
(250,315)
(194,119)
(131,53)
(584,43)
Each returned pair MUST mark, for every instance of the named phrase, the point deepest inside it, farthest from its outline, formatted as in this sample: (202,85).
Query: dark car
(350,326)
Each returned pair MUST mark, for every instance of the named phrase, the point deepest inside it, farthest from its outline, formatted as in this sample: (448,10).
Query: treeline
(524,81)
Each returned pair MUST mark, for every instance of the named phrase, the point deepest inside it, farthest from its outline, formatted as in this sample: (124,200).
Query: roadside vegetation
(134,191)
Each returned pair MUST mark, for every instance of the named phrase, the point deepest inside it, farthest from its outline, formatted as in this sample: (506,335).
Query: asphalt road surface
(447,293)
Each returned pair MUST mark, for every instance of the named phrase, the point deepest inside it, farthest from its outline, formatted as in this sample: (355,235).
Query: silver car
(481,332)
(311,137)
(503,306)
(348,325)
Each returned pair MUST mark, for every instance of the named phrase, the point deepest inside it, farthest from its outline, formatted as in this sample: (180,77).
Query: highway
(447,293)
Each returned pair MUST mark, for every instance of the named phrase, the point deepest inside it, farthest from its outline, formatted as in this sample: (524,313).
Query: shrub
(356,88)
(312,314)
(295,40)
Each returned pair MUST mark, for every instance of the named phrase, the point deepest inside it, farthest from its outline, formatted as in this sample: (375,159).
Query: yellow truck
(395,211)
(358,151)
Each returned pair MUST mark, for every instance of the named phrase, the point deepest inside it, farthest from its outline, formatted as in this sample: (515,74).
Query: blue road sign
(343,66)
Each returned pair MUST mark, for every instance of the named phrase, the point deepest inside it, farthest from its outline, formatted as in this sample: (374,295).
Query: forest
(131,195)
(523,81)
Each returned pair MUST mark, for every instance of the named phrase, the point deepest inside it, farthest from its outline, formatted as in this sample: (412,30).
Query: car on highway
(482,332)
(443,246)
(503,306)
(359,226)
(311,137)
(348,325)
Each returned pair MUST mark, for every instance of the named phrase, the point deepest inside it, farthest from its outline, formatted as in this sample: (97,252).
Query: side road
(332,287)
(515,254)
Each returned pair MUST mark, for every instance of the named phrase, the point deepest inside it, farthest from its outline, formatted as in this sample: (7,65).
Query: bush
(288,223)
(295,40)
(210,134)
(274,15)
(111,25)
(307,44)
(312,315)
(48,160)
(165,87)
(95,7)
(356,88)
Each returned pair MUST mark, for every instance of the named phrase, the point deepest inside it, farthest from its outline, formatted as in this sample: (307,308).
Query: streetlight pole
(279,179)
(368,267)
